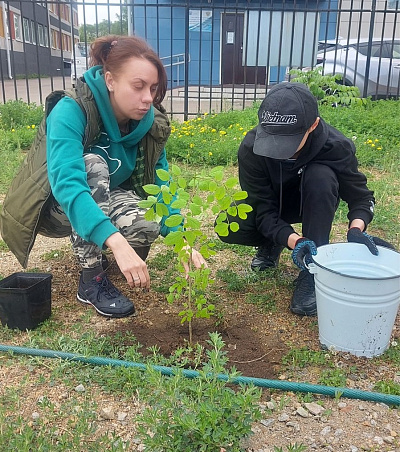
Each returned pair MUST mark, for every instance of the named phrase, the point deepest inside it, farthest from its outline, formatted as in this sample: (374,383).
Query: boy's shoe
(104,297)
(303,300)
(267,257)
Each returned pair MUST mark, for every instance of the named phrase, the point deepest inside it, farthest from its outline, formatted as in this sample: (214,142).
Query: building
(37,38)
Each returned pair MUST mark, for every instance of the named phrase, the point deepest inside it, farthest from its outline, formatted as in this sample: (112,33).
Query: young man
(295,168)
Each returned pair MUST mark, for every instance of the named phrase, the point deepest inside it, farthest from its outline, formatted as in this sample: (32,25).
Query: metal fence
(219,54)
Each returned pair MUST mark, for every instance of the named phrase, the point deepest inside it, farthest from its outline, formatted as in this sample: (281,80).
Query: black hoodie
(265,179)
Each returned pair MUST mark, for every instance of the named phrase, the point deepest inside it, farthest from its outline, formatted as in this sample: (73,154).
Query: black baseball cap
(287,112)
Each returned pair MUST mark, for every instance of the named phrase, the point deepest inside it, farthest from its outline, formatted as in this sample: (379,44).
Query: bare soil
(255,341)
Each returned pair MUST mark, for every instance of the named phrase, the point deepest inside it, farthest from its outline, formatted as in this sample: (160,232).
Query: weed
(292,448)
(3,246)
(53,255)
(265,301)
(162,261)
(333,377)
(387,387)
(234,282)
(185,415)
(301,357)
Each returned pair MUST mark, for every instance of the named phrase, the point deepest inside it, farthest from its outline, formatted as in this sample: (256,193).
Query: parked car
(80,62)
(349,59)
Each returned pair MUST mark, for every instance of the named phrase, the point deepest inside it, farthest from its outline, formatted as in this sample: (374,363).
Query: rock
(295,425)
(267,422)
(325,430)
(379,440)
(353,449)
(121,416)
(302,412)
(35,415)
(271,405)
(107,413)
(388,439)
(314,408)
(283,417)
(342,405)
(80,388)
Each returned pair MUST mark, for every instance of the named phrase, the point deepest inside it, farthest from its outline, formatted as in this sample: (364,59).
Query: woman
(102,143)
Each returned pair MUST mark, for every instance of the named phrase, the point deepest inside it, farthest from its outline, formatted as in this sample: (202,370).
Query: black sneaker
(303,300)
(104,297)
(267,257)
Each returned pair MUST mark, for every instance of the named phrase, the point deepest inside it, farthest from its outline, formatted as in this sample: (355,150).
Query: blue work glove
(304,247)
(355,235)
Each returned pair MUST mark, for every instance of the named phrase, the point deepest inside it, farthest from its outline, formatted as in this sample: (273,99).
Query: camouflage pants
(118,204)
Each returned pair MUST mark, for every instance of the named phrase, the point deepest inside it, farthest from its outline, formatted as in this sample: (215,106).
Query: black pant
(319,196)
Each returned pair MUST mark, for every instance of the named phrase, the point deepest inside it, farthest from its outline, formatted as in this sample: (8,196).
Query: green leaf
(150,215)
(220,192)
(195,209)
(174,220)
(163,175)
(152,189)
(175,170)
(173,238)
(210,198)
(222,229)
(212,185)
(221,217)
(182,182)
(147,203)
(243,209)
(233,226)
(239,195)
(162,210)
(232,211)
(178,204)
(173,187)
(197,200)
(215,209)
(192,223)
(231,182)
(225,202)
(167,197)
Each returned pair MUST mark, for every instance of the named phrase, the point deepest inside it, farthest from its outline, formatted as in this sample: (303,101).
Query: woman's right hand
(131,265)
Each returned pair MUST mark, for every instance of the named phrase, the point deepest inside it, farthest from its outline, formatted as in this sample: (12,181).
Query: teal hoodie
(66,167)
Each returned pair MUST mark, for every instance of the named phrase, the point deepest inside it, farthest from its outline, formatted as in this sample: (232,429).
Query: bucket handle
(311,267)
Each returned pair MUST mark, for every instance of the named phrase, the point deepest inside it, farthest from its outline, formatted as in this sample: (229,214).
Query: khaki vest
(30,191)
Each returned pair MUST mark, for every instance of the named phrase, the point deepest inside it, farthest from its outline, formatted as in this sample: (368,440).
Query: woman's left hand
(196,258)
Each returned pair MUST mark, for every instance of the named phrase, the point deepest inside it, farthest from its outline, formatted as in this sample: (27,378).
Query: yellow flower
(12,130)
(206,113)
(210,154)
(198,119)
(213,130)
(191,145)
(379,148)
(240,128)
(28,127)
(244,133)
(33,126)
(372,145)
(376,140)
(222,132)
(369,141)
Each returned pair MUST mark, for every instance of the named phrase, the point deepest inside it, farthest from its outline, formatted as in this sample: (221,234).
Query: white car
(80,63)
(350,60)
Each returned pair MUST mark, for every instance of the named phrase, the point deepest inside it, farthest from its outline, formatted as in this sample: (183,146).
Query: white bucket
(358,296)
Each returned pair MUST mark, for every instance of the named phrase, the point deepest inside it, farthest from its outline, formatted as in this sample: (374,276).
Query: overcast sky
(104,9)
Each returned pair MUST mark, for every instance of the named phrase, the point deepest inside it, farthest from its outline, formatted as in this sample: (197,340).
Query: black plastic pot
(25,300)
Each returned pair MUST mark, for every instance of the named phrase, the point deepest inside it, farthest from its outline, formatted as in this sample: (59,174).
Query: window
(41,35)
(33,32)
(27,30)
(46,36)
(17,27)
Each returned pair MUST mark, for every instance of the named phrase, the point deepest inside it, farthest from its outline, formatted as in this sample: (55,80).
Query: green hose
(263,383)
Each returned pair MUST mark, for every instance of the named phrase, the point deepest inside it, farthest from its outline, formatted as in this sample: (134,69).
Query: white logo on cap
(277,119)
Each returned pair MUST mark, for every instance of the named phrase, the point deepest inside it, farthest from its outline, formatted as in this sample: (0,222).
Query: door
(232,69)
